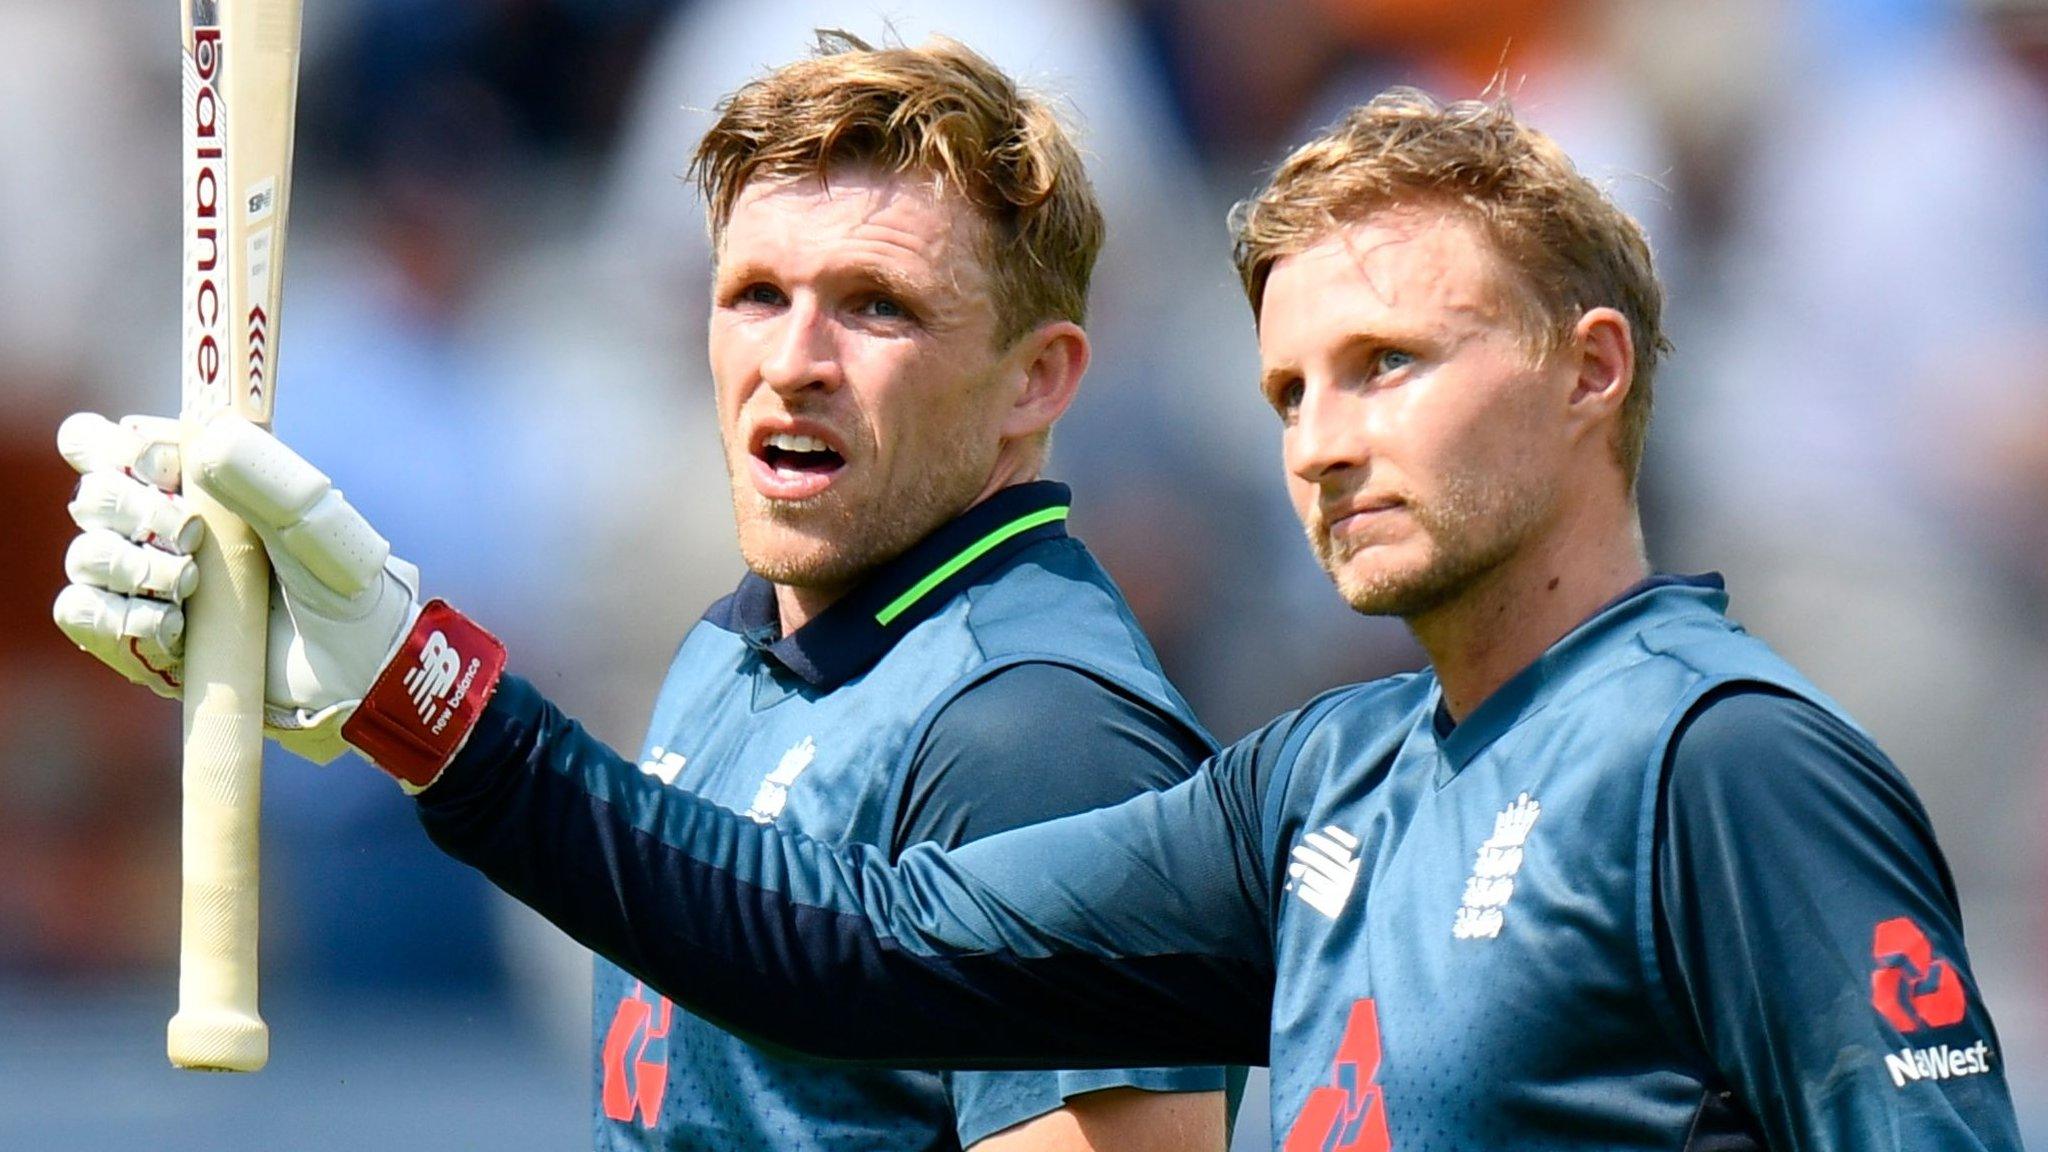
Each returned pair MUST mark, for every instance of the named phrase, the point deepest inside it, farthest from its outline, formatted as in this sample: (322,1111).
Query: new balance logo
(434,676)
(431,683)
(1483,910)
(1325,870)
(663,764)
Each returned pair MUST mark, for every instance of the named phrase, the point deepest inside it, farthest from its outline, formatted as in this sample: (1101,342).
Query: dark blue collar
(859,628)
(1529,689)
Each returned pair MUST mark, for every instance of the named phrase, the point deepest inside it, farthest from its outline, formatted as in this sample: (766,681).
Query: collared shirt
(1656,892)
(878,722)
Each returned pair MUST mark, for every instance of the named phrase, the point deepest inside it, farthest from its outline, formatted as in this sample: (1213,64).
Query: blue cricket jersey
(884,721)
(1656,892)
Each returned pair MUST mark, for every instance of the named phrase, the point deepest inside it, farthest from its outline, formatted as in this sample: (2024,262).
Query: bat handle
(217,1026)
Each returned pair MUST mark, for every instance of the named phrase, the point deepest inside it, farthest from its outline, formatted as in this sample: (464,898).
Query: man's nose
(1328,434)
(802,354)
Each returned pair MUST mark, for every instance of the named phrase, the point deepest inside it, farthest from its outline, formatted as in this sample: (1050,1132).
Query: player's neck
(1513,614)
(796,607)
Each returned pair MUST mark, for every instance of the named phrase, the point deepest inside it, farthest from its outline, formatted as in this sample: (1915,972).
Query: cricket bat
(241,70)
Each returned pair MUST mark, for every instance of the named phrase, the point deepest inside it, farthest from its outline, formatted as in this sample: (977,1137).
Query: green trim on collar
(917,591)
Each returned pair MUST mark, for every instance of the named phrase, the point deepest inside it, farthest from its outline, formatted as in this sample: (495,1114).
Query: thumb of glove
(321,548)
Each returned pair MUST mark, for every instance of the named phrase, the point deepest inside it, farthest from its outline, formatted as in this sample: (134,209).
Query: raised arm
(1129,935)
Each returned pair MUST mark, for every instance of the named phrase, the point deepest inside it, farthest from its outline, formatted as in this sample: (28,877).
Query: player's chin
(1384,580)
(804,548)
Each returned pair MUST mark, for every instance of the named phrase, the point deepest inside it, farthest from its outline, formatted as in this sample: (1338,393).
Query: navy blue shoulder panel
(709,908)
(1796,873)
(1093,745)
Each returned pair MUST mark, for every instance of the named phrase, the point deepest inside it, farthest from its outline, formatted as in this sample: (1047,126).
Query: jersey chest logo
(635,1058)
(1483,910)
(1348,1114)
(1324,870)
(773,794)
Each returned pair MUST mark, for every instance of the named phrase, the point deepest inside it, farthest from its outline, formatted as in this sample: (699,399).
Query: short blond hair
(940,110)
(1569,248)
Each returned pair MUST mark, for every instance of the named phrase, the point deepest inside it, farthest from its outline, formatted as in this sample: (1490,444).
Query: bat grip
(217,1026)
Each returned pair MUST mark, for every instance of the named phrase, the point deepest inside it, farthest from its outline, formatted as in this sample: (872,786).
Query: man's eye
(1286,399)
(1391,360)
(884,308)
(759,294)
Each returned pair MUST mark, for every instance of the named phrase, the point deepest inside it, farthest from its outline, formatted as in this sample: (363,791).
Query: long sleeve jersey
(1656,892)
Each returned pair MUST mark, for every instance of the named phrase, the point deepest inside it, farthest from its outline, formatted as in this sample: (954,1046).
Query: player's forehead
(909,221)
(1398,272)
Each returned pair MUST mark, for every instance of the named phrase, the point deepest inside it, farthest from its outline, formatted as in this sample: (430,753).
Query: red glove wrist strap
(420,710)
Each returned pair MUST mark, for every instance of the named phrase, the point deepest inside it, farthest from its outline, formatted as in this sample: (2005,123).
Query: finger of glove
(144,446)
(140,512)
(310,529)
(85,610)
(106,559)
(141,639)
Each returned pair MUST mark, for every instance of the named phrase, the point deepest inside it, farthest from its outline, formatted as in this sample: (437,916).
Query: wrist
(422,706)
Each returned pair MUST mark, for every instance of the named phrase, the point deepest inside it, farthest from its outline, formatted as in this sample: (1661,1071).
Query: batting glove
(353,658)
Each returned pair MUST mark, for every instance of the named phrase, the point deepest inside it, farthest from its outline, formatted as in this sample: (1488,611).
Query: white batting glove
(354,660)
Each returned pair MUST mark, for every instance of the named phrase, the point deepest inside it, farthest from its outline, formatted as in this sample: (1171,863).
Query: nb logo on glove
(430,681)
(354,660)
(419,711)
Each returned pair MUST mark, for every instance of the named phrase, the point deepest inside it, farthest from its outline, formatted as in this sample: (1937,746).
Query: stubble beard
(1473,528)
(845,537)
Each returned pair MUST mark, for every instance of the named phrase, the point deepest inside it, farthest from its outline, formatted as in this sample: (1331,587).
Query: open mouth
(794,465)
(784,452)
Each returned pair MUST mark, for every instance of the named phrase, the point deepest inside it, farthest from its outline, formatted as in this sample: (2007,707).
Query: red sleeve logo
(1348,1114)
(1912,988)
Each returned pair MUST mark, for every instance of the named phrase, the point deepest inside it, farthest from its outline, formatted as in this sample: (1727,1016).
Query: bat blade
(240,86)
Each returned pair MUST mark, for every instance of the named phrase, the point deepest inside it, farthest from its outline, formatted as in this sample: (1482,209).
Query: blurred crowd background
(493,340)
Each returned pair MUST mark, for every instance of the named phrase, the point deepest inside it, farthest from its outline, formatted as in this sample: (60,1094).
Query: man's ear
(1603,353)
(1049,362)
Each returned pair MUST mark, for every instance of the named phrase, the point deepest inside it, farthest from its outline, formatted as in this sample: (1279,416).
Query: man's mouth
(1358,517)
(794,465)
(786,452)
